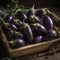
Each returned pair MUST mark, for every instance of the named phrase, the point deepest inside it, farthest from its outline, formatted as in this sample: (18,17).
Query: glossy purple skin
(51,33)
(13,27)
(19,42)
(40,29)
(27,33)
(38,39)
(18,23)
(20,36)
(39,13)
(20,15)
(37,20)
(9,18)
(30,13)
(47,22)
(34,19)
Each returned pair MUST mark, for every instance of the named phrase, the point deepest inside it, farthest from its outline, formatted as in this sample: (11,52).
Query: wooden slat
(5,41)
(32,48)
(56,18)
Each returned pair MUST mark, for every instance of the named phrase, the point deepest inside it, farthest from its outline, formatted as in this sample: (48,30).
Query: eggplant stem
(33,7)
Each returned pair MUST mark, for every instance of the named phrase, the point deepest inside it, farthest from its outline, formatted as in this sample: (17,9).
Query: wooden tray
(26,50)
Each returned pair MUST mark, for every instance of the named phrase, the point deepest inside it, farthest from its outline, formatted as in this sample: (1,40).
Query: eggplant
(51,33)
(17,22)
(14,34)
(19,42)
(16,43)
(9,18)
(30,13)
(34,19)
(39,13)
(40,29)
(33,30)
(20,15)
(14,27)
(37,39)
(27,32)
(47,22)
(19,35)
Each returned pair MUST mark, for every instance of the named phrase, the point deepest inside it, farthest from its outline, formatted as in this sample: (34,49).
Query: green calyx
(16,20)
(12,42)
(23,25)
(32,18)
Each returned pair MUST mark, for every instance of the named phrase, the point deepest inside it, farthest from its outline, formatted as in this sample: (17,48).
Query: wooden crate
(26,50)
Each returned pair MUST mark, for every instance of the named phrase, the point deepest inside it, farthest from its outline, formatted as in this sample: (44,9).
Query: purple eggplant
(14,34)
(18,23)
(39,13)
(9,18)
(27,32)
(51,33)
(14,27)
(19,35)
(20,15)
(40,30)
(48,22)
(30,13)
(34,19)
(38,39)
(18,42)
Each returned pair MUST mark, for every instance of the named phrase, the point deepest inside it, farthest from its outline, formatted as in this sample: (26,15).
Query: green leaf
(2,13)
(14,6)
